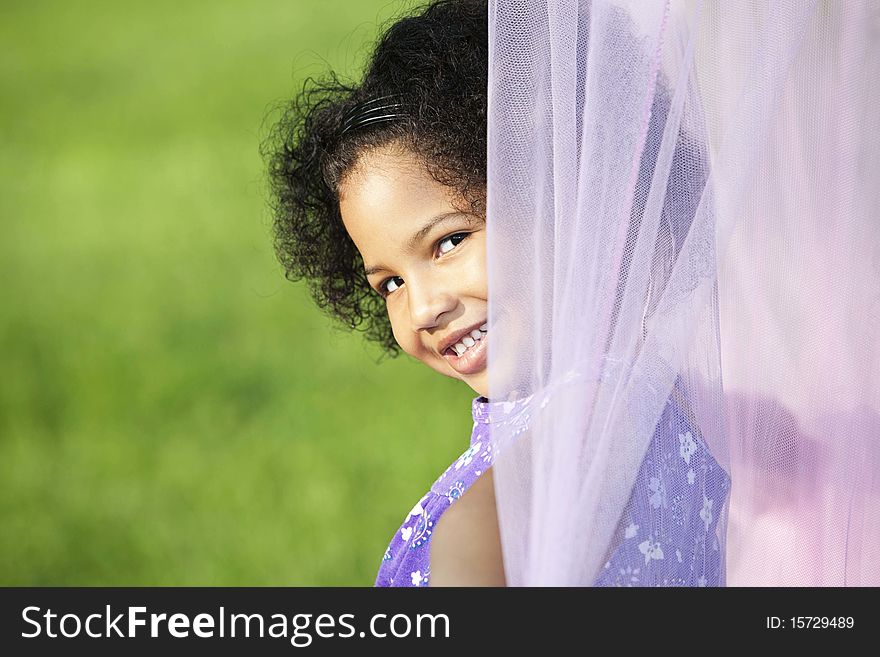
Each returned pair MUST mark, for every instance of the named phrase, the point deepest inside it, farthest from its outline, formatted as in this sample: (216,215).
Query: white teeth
(485,327)
(470,340)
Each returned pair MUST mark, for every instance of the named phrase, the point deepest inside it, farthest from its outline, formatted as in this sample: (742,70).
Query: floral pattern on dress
(667,530)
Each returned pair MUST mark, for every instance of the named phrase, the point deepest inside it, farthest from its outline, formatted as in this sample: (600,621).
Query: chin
(479,383)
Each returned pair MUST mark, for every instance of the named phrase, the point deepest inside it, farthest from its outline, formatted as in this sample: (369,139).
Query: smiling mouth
(468,355)
(467,342)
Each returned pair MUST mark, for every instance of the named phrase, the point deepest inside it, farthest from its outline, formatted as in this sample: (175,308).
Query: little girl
(380,203)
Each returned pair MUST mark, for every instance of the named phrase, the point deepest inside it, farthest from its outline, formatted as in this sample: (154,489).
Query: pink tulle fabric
(684,203)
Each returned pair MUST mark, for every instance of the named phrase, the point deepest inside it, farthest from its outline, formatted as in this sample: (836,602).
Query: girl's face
(426,257)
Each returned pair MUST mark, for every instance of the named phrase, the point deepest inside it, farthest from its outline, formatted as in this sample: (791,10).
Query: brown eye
(448,243)
(389,285)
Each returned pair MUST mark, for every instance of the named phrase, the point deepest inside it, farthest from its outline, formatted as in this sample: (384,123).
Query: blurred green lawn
(172,411)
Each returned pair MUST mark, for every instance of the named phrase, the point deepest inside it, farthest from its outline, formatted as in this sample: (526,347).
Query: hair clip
(377,110)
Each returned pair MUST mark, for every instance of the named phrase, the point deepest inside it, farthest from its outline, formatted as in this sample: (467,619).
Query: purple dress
(667,535)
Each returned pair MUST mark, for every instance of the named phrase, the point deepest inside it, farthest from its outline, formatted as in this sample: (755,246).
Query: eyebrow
(420,235)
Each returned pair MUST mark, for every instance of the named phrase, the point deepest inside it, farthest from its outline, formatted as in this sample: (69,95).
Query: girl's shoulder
(466,547)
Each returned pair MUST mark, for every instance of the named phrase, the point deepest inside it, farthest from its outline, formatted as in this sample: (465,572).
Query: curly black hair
(434,64)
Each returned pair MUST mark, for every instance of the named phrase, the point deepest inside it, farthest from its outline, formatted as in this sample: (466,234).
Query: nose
(429,299)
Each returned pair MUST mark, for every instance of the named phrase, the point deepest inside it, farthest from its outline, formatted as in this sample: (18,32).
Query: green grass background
(172,411)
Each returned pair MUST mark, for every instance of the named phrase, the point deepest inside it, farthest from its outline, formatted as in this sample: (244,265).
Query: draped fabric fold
(684,274)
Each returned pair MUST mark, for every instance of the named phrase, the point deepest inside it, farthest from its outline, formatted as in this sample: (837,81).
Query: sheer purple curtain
(683,212)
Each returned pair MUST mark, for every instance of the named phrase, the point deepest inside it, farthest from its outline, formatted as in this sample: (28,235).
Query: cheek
(477,273)
(405,338)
